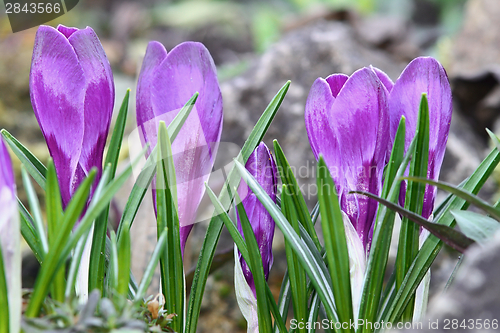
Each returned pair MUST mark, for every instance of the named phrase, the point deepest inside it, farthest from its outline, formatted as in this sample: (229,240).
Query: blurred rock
(475,64)
(476,48)
(474,294)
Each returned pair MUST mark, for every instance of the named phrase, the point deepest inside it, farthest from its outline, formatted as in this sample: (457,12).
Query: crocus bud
(423,75)
(166,83)
(262,167)
(9,238)
(347,122)
(72,93)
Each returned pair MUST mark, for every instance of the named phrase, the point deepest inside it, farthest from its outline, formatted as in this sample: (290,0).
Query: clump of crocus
(347,122)
(72,93)
(166,83)
(10,251)
(352,122)
(262,167)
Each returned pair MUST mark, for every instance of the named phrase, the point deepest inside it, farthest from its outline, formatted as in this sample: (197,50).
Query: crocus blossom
(72,93)
(166,83)
(424,75)
(262,167)
(347,122)
(9,238)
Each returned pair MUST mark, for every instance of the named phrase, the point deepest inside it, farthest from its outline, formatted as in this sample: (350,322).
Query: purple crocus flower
(72,93)
(347,122)
(262,167)
(423,75)
(166,83)
(9,238)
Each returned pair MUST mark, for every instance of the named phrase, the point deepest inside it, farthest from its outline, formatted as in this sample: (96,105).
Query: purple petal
(384,78)
(260,165)
(360,121)
(155,54)
(66,31)
(99,97)
(319,131)
(424,75)
(167,85)
(57,89)
(336,82)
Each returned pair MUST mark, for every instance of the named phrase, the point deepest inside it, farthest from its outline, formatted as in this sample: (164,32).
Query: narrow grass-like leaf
(4,299)
(97,258)
(124,257)
(257,269)
(478,227)
(493,137)
(35,209)
(147,173)
(335,243)
(306,258)
(28,232)
(467,196)
(150,268)
(172,272)
(297,274)
(54,217)
(103,194)
(242,247)
(449,236)
(113,269)
(34,167)
(73,268)
(382,234)
(288,178)
(408,235)
(55,255)
(432,244)
(313,311)
(215,227)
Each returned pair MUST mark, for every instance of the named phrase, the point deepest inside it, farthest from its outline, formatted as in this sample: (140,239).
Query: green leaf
(55,256)
(124,257)
(297,274)
(467,196)
(432,245)
(242,247)
(54,218)
(113,270)
(382,234)
(147,173)
(257,269)
(215,227)
(74,266)
(335,243)
(288,178)
(150,268)
(449,236)
(478,227)
(36,211)
(97,258)
(34,167)
(306,258)
(171,269)
(408,236)
(29,233)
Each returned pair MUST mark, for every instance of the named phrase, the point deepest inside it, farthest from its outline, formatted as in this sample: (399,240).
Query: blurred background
(257,46)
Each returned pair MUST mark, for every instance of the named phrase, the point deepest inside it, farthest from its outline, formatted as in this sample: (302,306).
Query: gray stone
(473,297)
